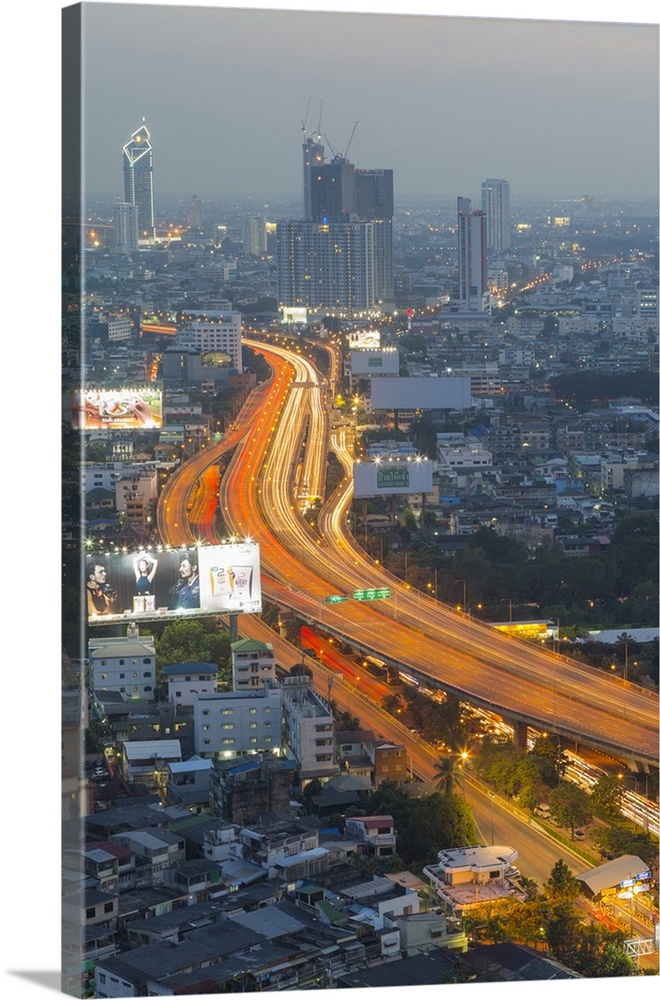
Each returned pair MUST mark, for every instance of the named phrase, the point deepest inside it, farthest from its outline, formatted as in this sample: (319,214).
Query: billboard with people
(167,583)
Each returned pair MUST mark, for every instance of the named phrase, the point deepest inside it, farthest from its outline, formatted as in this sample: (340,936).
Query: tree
(606,796)
(551,757)
(562,883)
(446,768)
(569,805)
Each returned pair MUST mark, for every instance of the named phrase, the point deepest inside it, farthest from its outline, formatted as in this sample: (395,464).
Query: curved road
(258,498)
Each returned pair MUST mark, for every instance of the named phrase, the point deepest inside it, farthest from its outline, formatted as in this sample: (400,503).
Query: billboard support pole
(233,626)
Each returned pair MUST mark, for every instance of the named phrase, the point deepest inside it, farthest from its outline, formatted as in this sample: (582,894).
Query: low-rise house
(188,782)
(467,877)
(376,833)
(156,850)
(196,878)
(146,760)
(308,728)
(390,761)
(421,931)
(253,663)
(111,865)
(185,680)
(244,788)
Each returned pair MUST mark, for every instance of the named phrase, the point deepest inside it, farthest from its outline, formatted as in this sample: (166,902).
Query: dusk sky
(559,109)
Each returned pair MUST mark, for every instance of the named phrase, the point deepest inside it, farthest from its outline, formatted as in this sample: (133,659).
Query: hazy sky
(557,108)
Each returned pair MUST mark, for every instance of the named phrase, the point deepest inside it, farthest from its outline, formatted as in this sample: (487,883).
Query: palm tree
(446,768)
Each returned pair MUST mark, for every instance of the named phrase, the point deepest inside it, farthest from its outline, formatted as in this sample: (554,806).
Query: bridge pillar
(520,735)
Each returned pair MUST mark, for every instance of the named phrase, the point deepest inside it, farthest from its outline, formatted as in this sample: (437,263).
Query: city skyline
(443,101)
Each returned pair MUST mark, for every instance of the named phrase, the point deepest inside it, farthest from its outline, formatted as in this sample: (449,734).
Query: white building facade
(231,723)
(213,330)
(126,664)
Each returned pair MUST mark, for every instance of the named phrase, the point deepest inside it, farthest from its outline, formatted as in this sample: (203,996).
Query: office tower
(326,267)
(212,330)
(336,194)
(472,287)
(194,218)
(125,228)
(495,203)
(313,158)
(375,203)
(254,235)
(139,180)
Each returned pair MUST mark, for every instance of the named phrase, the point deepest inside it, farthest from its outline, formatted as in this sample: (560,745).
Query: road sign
(336,598)
(371,595)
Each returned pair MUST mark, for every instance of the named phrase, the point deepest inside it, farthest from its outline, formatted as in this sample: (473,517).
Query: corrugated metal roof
(141,749)
(610,874)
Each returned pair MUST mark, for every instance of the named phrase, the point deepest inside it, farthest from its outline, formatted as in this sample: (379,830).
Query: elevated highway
(302,567)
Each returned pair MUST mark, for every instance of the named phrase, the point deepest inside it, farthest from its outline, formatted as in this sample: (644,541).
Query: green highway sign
(371,595)
(336,598)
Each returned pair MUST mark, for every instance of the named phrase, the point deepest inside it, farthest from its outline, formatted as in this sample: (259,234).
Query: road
(258,499)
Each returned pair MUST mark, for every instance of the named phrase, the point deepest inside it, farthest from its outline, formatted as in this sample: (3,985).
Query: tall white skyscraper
(472,287)
(495,203)
(126,228)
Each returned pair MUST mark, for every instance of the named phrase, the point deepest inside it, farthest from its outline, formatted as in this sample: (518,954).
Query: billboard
(117,409)
(376,362)
(423,393)
(150,583)
(364,339)
(398,478)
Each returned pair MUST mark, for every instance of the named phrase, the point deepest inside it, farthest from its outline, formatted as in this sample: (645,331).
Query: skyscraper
(472,288)
(326,267)
(496,205)
(313,157)
(139,180)
(126,228)
(338,194)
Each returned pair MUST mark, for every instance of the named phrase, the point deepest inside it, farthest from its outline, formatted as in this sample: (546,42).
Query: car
(579,834)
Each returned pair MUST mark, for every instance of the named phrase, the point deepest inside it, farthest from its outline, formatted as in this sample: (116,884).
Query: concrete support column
(520,735)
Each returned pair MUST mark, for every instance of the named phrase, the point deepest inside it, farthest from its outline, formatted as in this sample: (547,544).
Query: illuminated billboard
(392,478)
(117,409)
(375,362)
(148,584)
(364,339)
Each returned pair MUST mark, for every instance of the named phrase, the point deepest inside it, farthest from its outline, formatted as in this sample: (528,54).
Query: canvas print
(360,501)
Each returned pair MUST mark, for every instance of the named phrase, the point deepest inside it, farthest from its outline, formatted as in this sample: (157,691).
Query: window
(90,912)
(227,711)
(253,711)
(206,742)
(122,676)
(104,677)
(135,675)
(253,739)
(108,907)
(177,694)
(146,673)
(122,662)
(148,687)
(188,678)
(253,725)
(227,725)
(206,728)
(205,711)
(146,659)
